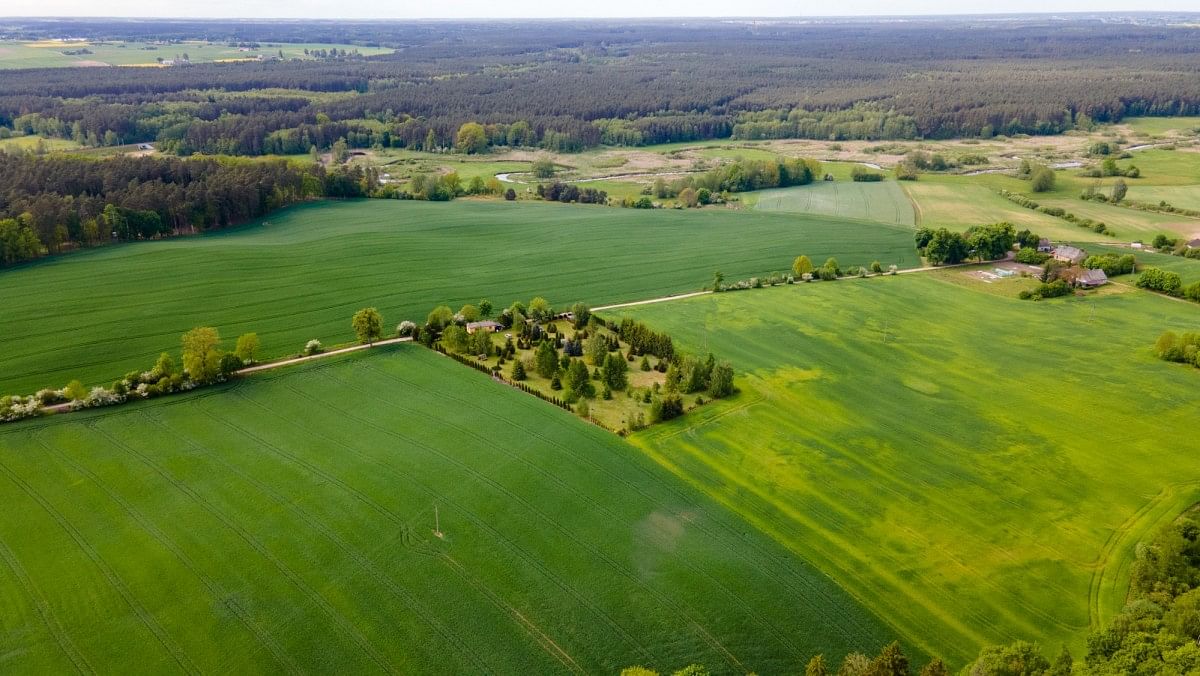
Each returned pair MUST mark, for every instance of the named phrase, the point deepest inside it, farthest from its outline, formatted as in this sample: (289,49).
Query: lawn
(974,468)
(884,201)
(286,523)
(302,273)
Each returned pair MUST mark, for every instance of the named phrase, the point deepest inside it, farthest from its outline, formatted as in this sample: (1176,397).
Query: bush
(313,347)
(665,408)
(860,174)
(1058,287)
(1162,281)
(1042,180)
(1030,256)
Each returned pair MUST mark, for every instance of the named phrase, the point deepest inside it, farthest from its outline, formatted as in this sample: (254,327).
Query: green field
(960,202)
(286,523)
(974,468)
(51,53)
(97,314)
(1186,197)
(884,201)
(1162,125)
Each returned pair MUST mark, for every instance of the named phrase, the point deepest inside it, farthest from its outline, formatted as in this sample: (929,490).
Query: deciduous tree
(368,325)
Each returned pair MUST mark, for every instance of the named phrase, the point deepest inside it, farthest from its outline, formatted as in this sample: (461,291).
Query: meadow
(884,201)
(302,273)
(286,523)
(52,53)
(974,468)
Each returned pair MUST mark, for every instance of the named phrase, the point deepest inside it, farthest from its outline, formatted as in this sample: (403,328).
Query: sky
(461,9)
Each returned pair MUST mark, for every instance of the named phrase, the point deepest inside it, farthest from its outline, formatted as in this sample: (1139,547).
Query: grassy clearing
(287,522)
(973,467)
(51,53)
(1162,125)
(304,273)
(884,201)
(29,144)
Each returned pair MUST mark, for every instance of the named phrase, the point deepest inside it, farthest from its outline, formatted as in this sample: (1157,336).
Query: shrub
(1054,289)
(1042,180)
(1162,281)
(405,328)
(861,174)
(665,408)
(312,347)
(1031,256)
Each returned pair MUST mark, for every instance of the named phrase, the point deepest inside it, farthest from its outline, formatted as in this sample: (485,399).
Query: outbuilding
(486,325)
(1069,254)
(1044,245)
(1090,279)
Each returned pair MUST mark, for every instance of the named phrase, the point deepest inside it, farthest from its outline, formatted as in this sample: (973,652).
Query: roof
(1093,277)
(485,324)
(1194,244)
(1043,242)
(1069,252)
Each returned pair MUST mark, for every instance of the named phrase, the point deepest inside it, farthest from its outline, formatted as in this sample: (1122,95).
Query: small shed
(486,325)
(1090,279)
(1069,254)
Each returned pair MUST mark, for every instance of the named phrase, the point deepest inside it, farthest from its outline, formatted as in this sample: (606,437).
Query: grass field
(29,144)
(1186,196)
(286,523)
(960,202)
(972,467)
(1162,125)
(303,275)
(50,53)
(884,201)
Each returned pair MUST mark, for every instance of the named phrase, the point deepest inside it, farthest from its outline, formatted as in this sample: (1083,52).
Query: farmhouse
(1090,279)
(485,325)
(1044,245)
(1069,254)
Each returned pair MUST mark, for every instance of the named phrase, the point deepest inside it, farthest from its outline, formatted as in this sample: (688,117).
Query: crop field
(52,53)
(303,273)
(974,468)
(286,523)
(884,201)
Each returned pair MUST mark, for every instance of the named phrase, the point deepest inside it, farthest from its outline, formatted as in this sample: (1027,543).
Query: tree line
(570,87)
(61,202)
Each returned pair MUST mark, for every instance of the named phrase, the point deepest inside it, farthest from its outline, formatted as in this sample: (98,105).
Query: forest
(566,86)
(57,203)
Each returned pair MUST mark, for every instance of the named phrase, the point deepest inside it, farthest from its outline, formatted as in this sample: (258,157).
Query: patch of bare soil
(89,64)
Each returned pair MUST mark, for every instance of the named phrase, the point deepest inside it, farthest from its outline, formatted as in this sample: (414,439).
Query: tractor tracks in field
(1151,514)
